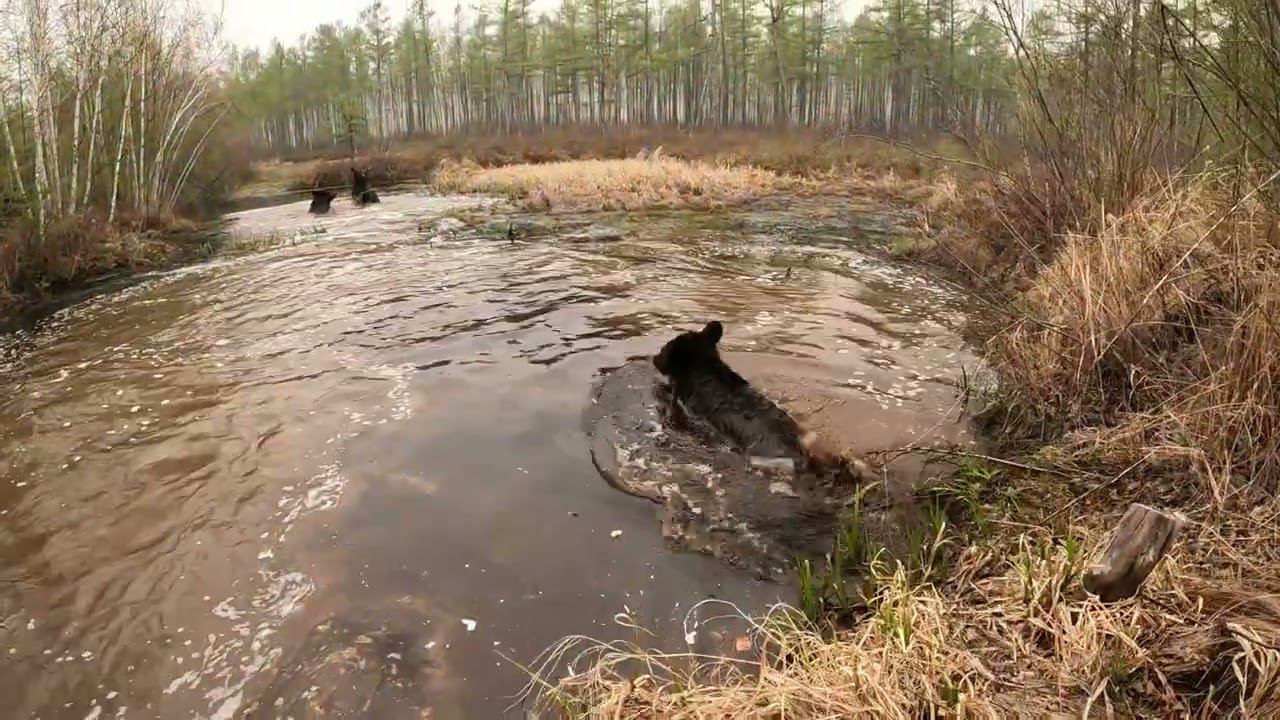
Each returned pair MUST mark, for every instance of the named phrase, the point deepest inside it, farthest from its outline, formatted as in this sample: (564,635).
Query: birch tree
(107,104)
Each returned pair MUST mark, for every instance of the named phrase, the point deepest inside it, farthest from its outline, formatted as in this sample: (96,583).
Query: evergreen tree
(899,66)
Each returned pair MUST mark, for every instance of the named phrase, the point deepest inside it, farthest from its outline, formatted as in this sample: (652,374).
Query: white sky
(255,23)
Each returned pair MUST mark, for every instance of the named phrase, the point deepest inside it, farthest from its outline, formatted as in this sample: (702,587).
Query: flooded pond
(349,475)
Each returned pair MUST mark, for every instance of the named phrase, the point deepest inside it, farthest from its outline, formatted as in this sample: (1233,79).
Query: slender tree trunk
(125,123)
(91,156)
(13,152)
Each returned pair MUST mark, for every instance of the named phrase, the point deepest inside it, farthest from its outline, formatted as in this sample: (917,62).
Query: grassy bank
(629,184)
(74,252)
(79,246)
(1007,636)
(468,163)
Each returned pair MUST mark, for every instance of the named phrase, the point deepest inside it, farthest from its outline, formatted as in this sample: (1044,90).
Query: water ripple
(188,465)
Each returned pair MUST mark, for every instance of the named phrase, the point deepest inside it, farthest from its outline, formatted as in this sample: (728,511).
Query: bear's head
(690,350)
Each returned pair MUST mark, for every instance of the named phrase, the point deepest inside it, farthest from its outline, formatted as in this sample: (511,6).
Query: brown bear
(320,200)
(704,386)
(361,193)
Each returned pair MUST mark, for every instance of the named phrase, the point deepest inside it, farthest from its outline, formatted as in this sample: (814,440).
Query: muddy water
(347,475)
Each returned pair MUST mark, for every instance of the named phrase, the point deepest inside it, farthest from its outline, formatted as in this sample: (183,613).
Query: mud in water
(348,476)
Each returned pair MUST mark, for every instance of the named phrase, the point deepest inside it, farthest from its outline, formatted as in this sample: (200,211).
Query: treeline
(900,65)
(105,105)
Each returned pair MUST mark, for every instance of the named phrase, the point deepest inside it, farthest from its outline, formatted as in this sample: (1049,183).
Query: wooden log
(1142,538)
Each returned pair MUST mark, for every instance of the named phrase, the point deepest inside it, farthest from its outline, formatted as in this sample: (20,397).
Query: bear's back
(751,421)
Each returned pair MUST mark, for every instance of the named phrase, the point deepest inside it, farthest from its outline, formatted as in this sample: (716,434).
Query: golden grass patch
(1158,336)
(629,184)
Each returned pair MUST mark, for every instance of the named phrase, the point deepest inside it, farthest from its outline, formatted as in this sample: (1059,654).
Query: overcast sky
(255,23)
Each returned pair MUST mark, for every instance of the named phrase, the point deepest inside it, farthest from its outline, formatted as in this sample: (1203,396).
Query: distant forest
(898,66)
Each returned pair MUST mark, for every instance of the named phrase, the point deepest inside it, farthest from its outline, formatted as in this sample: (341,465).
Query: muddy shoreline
(184,249)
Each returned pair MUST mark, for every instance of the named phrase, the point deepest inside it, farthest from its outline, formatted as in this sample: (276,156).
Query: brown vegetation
(631,184)
(74,251)
(1155,337)
(800,152)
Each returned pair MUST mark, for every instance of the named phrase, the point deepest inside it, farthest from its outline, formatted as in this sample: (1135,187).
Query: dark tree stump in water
(1142,538)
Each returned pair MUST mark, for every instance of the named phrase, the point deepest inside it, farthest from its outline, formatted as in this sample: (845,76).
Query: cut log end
(1142,538)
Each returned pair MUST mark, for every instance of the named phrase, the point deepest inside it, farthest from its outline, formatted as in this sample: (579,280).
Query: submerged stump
(1142,538)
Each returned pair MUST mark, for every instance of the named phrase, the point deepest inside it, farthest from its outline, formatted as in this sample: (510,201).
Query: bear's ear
(713,331)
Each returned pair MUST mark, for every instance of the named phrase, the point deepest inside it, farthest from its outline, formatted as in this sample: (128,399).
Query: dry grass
(906,658)
(799,152)
(631,184)
(1010,634)
(1158,337)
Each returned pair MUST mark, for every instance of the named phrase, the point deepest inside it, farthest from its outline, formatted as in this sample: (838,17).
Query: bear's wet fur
(320,200)
(361,193)
(703,385)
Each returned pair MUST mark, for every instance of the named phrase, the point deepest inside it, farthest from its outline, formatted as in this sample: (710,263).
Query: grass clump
(638,183)
(909,661)
(835,591)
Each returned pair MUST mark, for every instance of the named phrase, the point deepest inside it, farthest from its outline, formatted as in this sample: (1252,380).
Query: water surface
(347,475)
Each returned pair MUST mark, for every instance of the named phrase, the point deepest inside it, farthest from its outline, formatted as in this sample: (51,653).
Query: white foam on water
(284,593)
(228,708)
(227,611)
(188,678)
(401,406)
